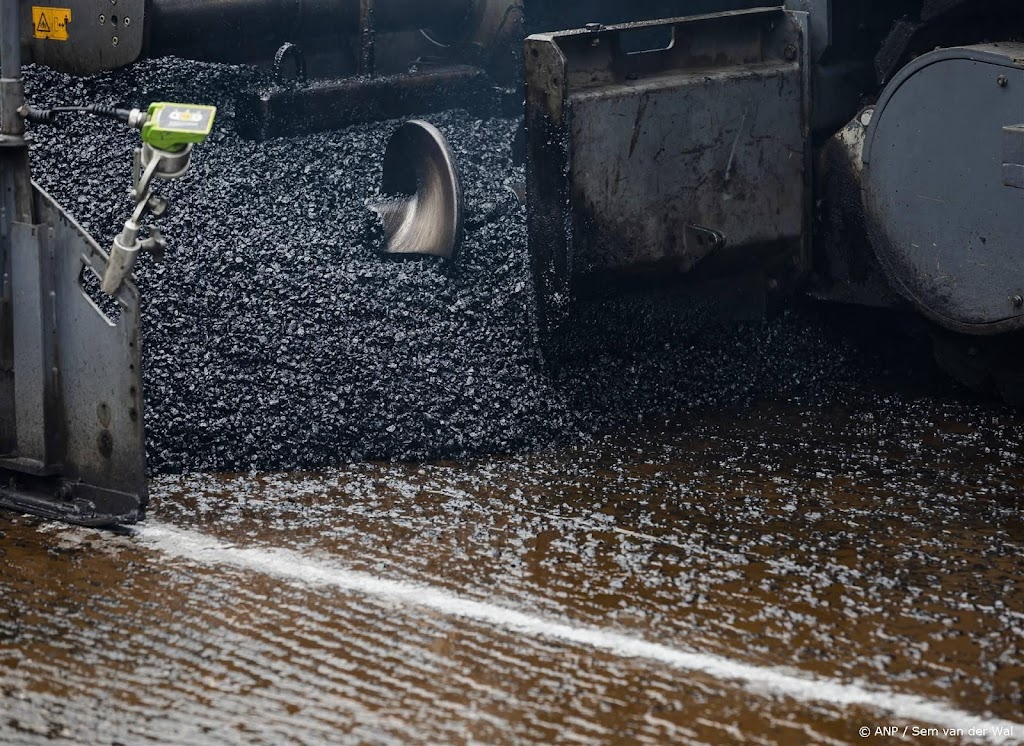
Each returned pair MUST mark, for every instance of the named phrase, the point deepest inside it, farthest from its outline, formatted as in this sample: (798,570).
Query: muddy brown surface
(785,574)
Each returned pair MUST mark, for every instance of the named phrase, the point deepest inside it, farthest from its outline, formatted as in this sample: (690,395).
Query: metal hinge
(1013,156)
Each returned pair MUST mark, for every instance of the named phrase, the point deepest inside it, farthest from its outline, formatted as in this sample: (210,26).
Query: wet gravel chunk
(276,336)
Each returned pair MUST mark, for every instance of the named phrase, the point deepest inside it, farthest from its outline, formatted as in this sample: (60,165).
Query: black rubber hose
(49,116)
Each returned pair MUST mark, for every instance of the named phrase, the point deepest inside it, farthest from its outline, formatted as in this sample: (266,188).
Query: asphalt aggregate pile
(277,337)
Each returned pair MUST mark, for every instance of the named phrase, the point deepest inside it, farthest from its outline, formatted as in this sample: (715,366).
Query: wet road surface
(786,574)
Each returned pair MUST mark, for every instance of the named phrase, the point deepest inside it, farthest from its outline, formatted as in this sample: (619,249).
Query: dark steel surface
(845,268)
(240,30)
(15,199)
(782,574)
(819,24)
(38,409)
(101,36)
(78,450)
(940,218)
(543,16)
(656,167)
(71,430)
(917,28)
(10,40)
(1013,155)
(935,8)
(891,56)
(697,154)
(367,37)
(57,500)
(100,364)
(836,94)
(262,114)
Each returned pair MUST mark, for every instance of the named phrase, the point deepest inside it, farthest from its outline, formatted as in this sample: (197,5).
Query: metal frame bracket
(1013,156)
(74,393)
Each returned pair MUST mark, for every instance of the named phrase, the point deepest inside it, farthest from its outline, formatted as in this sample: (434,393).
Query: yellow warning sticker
(51,23)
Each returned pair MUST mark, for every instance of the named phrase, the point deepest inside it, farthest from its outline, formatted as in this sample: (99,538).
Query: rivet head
(1018,301)
(103,19)
(790,52)
(114,41)
(1002,81)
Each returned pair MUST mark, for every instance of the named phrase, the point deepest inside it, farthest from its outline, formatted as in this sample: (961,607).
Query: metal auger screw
(1002,81)
(1018,301)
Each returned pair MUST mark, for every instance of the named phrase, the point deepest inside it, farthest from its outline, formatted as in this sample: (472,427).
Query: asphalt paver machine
(865,152)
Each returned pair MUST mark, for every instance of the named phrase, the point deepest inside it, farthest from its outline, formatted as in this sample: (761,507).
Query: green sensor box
(173,126)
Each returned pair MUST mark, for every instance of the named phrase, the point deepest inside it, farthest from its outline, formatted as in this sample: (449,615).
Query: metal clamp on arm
(150,163)
(168,133)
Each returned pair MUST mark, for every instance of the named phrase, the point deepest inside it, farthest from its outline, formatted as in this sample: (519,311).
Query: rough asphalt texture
(276,337)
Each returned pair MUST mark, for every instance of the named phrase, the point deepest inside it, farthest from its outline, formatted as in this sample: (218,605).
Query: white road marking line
(768,681)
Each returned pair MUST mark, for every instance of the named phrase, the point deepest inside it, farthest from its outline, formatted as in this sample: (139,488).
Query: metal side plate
(665,161)
(84,461)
